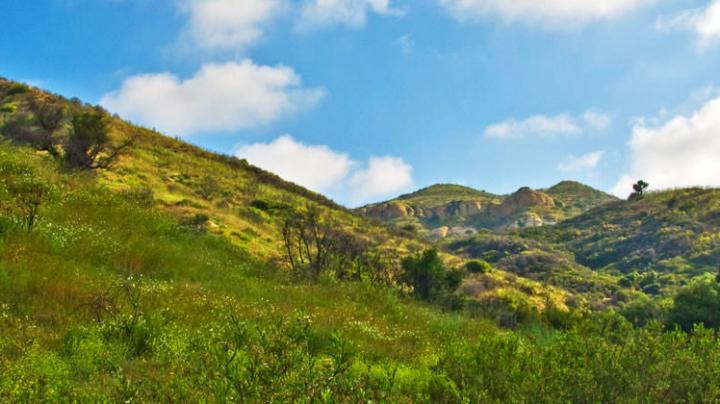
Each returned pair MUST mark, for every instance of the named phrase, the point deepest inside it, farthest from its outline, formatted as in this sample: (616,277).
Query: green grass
(161,280)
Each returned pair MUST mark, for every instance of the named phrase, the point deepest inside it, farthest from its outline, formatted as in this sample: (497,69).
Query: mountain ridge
(443,209)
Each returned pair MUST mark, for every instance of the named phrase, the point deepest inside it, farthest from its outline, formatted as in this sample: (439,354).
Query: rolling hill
(446,210)
(167,275)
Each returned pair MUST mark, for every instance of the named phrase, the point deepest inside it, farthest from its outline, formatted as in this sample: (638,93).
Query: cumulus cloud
(544,125)
(316,167)
(574,163)
(551,13)
(316,14)
(383,176)
(227,24)
(219,98)
(705,22)
(679,153)
(322,169)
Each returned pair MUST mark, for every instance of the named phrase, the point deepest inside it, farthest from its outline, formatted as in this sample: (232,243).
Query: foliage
(88,145)
(22,193)
(429,277)
(696,303)
(478,266)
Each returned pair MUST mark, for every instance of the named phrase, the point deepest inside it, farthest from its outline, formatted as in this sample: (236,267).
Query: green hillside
(656,243)
(138,268)
(455,211)
(440,194)
(576,198)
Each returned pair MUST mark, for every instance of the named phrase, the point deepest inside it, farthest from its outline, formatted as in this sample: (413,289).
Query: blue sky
(365,99)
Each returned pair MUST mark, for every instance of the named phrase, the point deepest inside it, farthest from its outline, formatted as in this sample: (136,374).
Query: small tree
(429,277)
(23,195)
(309,240)
(39,129)
(639,190)
(50,118)
(316,244)
(88,145)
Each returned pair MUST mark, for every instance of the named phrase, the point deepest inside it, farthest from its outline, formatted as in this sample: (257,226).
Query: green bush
(697,303)
(478,267)
(429,277)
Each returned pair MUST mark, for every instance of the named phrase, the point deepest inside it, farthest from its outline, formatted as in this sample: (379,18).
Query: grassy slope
(543,262)
(91,243)
(673,235)
(440,194)
(111,299)
(186,181)
(577,198)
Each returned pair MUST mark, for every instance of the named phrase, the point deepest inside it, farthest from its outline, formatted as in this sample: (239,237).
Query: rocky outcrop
(388,211)
(526,221)
(522,200)
(519,210)
(396,209)
(458,231)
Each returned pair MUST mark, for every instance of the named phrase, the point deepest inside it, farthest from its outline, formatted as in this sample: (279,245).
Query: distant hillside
(453,210)
(574,198)
(656,243)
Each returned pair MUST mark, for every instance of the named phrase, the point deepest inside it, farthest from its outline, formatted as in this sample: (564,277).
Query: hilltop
(445,210)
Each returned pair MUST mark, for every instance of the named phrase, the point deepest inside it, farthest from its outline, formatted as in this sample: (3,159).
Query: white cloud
(708,24)
(705,22)
(579,163)
(227,24)
(316,167)
(545,125)
(220,98)
(550,13)
(322,169)
(539,125)
(317,14)
(679,153)
(383,176)
(596,120)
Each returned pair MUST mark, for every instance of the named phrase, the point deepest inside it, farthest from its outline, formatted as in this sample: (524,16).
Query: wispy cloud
(226,25)
(317,14)
(546,125)
(703,21)
(547,13)
(574,163)
(406,44)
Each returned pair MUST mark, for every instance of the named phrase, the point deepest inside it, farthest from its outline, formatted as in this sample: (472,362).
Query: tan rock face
(388,211)
(395,209)
(523,199)
(517,203)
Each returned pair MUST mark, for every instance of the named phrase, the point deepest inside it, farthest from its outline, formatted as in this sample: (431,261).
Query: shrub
(429,277)
(478,267)
(697,303)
